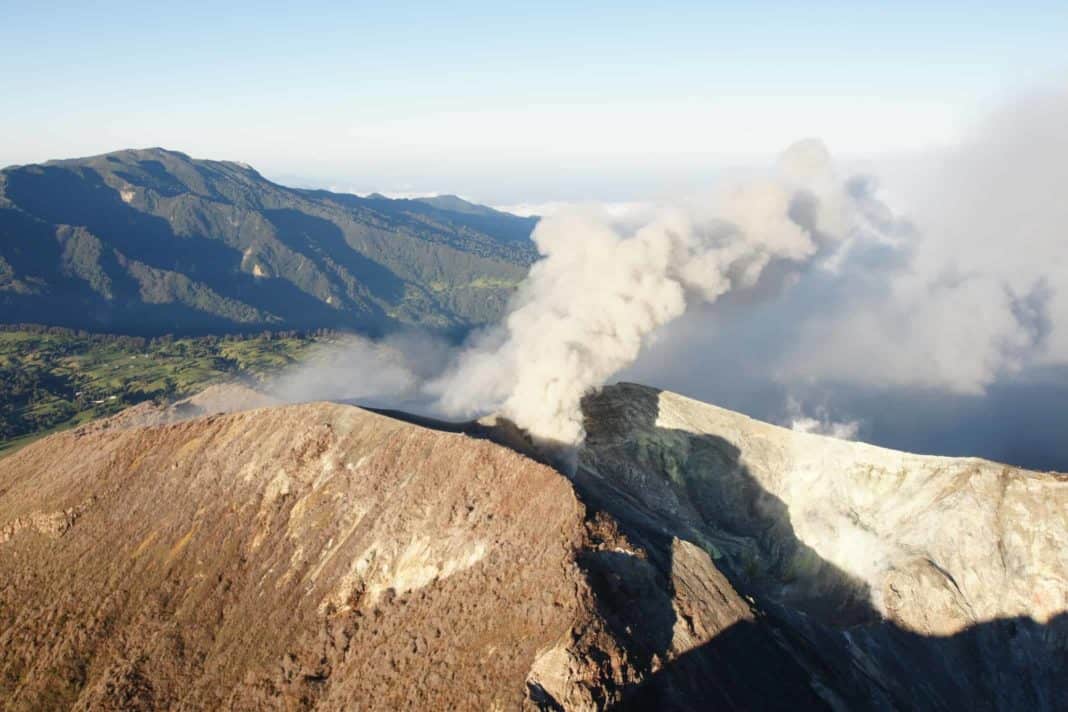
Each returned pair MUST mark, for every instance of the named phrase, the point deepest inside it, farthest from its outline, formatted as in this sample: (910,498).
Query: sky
(506,103)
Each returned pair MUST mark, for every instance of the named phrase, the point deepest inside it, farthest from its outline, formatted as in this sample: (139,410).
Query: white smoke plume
(819,422)
(945,333)
(603,289)
(389,372)
(979,295)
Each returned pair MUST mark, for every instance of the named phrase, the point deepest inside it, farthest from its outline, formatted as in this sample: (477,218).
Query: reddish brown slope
(320,556)
(277,558)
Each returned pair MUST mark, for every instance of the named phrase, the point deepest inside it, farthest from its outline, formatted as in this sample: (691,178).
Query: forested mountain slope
(152,241)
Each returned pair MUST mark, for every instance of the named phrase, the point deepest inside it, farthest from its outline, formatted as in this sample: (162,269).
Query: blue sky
(510,103)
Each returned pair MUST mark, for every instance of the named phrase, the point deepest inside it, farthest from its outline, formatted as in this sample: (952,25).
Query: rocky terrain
(321,556)
(897,581)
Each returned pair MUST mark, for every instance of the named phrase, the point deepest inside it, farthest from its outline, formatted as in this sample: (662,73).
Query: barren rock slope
(324,557)
(321,556)
(307,554)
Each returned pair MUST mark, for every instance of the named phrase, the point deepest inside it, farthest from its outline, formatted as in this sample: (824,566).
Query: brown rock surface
(281,558)
(229,397)
(321,556)
(316,556)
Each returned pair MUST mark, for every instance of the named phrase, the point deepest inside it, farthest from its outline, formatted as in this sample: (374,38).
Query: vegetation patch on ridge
(53,378)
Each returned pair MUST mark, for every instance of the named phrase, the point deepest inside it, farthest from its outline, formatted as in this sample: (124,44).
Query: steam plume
(603,289)
(944,333)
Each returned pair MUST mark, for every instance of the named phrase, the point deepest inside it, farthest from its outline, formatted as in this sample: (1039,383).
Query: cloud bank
(944,330)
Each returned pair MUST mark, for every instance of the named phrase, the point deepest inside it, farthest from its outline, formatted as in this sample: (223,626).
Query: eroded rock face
(933,543)
(905,581)
(325,557)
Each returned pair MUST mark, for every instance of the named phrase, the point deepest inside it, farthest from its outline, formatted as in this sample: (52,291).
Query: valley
(53,378)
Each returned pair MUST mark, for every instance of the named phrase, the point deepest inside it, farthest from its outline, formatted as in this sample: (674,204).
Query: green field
(51,379)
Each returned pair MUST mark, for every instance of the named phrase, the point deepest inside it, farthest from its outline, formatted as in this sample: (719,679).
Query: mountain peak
(168,243)
(456,204)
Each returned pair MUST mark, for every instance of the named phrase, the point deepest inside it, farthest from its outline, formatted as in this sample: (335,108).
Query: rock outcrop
(321,556)
(898,581)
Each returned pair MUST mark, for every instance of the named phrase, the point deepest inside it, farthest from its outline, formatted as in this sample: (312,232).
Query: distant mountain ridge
(152,241)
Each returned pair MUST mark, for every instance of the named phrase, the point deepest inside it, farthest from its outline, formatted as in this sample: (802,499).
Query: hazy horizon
(897,170)
(506,106)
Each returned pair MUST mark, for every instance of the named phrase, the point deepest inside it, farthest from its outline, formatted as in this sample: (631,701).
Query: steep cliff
(897,580)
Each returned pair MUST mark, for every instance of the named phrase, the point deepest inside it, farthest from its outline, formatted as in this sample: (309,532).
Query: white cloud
(820,423)
(978,293)
(726,125)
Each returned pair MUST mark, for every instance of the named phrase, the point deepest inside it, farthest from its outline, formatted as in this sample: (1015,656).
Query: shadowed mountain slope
(152,241)
(325,557)
(899,581)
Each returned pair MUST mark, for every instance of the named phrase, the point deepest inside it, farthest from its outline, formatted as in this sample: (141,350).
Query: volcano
(323,556)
